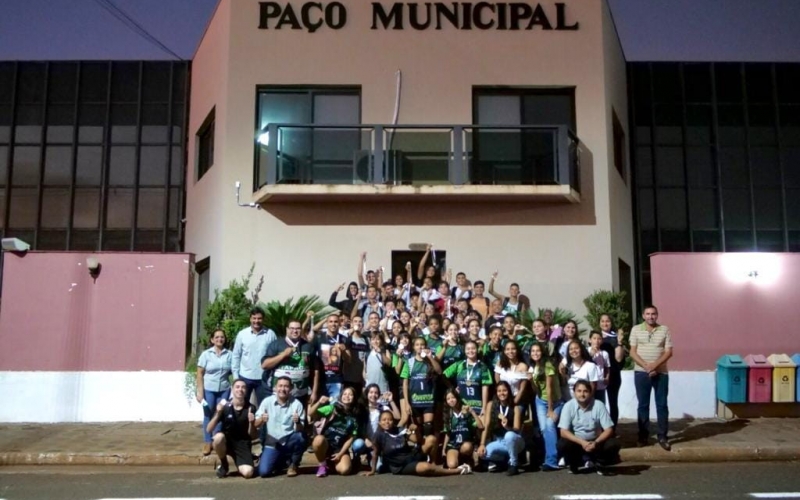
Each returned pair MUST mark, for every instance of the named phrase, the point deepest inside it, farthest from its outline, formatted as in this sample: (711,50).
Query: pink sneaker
(322,470)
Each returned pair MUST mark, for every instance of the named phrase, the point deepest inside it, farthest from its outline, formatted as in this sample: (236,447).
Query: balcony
(349,162)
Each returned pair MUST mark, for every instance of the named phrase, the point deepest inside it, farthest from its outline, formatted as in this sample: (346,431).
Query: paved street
(711,481)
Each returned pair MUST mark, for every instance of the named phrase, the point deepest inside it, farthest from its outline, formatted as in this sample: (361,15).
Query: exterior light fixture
(94,267)
(263,139)
(15,245)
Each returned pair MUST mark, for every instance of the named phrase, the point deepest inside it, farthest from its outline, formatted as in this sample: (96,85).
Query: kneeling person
(238,430)
(283,440)
(338,429)
(587,432)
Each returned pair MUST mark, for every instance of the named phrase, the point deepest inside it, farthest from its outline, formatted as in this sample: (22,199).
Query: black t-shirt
(396,453)
(332,363)
(236,423)
(299,367)
(609,345)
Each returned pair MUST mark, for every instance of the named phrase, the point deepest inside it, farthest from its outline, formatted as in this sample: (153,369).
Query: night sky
(700,30)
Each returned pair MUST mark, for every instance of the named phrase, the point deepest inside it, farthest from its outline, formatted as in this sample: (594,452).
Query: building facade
(488,131)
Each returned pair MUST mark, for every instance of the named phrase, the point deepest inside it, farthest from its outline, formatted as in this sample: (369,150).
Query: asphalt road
(705,481)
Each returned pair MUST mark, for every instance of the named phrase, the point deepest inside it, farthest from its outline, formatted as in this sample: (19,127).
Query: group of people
(435,379)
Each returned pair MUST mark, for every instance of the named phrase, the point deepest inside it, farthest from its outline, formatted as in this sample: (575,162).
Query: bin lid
(781,360)
(731,361)
(757,361)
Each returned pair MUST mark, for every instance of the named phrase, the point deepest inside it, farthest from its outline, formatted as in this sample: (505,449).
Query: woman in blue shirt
(213,382)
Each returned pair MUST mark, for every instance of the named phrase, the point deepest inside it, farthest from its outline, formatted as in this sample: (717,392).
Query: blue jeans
(253,385)
(360,448)
(549,430)
(644,385)
(212,398)
(290,449)
(334,390)
(505,449)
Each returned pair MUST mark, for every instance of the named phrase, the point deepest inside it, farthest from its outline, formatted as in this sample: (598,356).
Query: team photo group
(436,379)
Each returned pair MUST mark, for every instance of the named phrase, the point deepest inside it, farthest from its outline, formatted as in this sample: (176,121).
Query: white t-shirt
(600,359)
(587,371)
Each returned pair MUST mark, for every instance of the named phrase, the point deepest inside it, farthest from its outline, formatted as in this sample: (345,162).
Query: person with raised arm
(351,300)
(429,271)
(292,357)
(613,344)
(512,303)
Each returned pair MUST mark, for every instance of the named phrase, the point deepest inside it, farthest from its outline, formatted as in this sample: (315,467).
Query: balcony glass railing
(417,155)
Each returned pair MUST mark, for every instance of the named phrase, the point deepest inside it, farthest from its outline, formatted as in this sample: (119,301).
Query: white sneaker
(465,469)
(492,468)
(589,465)
(562,462)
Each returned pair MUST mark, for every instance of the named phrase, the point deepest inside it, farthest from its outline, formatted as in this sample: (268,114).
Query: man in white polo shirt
(651,347)
(283,440)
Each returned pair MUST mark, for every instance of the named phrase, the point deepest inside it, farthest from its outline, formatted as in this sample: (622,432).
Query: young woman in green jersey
(472,378)
(461,423)
(546,384)
(419,377)
(451,350)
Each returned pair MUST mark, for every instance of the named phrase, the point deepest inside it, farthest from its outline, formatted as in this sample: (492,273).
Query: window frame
(204,145)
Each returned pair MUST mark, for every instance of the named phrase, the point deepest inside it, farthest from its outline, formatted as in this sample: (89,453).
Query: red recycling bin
(759,381)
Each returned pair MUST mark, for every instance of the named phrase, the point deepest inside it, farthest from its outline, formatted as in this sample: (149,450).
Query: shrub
(278,314)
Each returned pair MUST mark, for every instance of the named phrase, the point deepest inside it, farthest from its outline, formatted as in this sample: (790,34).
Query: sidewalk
(180,443)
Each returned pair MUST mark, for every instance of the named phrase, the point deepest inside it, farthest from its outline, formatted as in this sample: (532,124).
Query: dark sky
(737,30)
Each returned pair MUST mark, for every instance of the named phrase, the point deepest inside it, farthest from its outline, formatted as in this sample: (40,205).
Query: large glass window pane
(86,211)
(26,166)
(499,110)
(6,81)
(55,208)
(649,246)
(739,241)
(666,82)
(125,82)
(764,167)
(770,241)
(90,164)
(758,78)
(788,81)
(548,109)
(176,168)
(644,166)
(279,107)
(179,83)
(768,208)
(117,241)
(177,123)
(123,123)
(761,125)
(641,83)
(85,240)
(790,159)
(24,209)
(669,166)
(149,241)
(29,124)
(675,241)
(699,124)
(736,209)
(793,208)
(58,165)
(30,87)
(63,82)
(728,79)
(153,165)
(697,82)
(94,82)
(733,164)
(91,120)
(174,207)
(731,125)
(700,166)
(706,241)
(60,120)
(122,166)
(151,209)
(155,81)
(119,213)
(672,209)
(790,125)
(3,165)
(704,208)
(155,123)
(5,122)
(668,124)
(647,209)
(52,240)
(336,109)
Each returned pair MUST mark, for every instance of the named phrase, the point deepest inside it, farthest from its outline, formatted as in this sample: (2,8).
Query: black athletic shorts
(241,451)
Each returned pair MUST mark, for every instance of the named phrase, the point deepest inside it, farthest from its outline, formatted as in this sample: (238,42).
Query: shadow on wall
(444,211)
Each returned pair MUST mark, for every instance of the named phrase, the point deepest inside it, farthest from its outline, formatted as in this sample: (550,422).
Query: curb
(632,455)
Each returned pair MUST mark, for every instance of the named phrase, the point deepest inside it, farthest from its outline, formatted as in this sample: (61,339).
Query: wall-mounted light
(94,267)
(263,139)
(252,204)
(757,268)
(15,245)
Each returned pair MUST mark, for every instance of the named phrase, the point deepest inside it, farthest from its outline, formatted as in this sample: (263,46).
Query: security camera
(15,245)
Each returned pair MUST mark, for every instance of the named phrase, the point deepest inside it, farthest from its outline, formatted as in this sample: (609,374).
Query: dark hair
(510,316)
(595,332)
(584,353)
(584,383)
(577,333)
(459,401)
(287,379)
(358,290)
(257,310)
(649,306)
(496,402)
(541,364)
(388,283)
(437,317)
(461,273)
(479,282)
(238,380)
(387,301)
(504,362)
(514,284)
(462,299)
(415,293)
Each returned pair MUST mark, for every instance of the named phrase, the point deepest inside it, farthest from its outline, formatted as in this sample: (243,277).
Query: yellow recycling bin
(783,378)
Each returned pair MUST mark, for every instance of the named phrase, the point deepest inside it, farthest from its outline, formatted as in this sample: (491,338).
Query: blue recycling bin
(796,359)
(731,379)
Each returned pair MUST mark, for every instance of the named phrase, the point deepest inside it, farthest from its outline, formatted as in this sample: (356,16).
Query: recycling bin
(731,379)
(796,359)
(759,379)
(783,378)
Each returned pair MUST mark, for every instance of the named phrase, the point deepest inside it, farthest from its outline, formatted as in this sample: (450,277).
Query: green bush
(614,304)
(230,310)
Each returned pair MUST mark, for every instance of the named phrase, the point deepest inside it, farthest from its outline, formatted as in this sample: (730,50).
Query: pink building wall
(732,303)
(55,317)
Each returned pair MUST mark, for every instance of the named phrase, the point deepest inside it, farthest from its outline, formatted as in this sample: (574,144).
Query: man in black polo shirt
(291,357)
(238,430)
